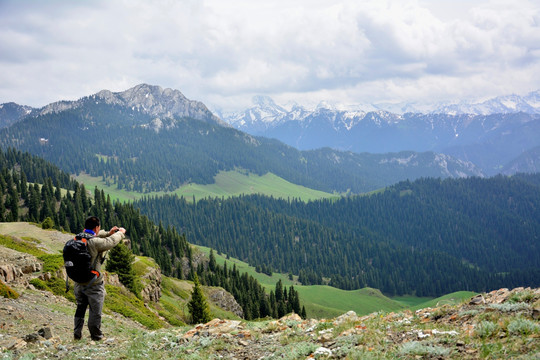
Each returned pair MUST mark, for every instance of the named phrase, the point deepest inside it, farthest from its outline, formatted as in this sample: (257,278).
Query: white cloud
(224,52)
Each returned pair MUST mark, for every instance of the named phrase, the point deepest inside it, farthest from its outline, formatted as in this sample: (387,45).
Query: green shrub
(171,312)
(58,287)
(55,285)
(39,284)
(472,312)
(31,239)
(486,329)
(48,223)
(7,292)
(51,262)
(296,350)
(522,326)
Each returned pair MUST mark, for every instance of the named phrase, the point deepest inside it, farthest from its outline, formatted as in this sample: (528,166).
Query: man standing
(92,294)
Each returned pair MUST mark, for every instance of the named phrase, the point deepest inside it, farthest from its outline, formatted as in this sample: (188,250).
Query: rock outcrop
(152,289)
(15,265)
(224,300)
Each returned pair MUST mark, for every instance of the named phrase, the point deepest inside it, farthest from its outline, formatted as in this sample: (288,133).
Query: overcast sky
(224,52)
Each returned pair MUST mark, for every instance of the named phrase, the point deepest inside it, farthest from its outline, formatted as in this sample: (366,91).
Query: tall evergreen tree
(121,262)
(198,306)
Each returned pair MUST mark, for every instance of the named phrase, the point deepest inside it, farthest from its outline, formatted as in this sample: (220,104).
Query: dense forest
(136,152)
(34,198)
(427,237)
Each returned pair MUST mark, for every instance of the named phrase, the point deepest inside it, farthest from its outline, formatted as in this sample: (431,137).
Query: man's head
(92,223)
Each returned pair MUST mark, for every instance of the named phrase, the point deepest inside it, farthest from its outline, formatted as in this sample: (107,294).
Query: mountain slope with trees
(23,198)
(426,237)
(149,151)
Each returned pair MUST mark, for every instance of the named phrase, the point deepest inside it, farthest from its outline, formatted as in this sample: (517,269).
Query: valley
(378,234)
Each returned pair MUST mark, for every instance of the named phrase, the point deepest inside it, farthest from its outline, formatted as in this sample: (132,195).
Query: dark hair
(91,223)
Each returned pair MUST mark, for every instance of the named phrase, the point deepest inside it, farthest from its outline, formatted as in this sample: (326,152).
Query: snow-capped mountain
(264,112)
(495,133)
(529,104)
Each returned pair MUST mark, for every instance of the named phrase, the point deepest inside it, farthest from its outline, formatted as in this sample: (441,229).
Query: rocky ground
(503,324)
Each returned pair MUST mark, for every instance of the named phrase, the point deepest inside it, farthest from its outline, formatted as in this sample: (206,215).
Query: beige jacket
(99,245)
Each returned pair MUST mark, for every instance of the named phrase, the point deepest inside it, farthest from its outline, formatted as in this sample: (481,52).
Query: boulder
(349,316)
(290,317)
(536,313)
(45,332)
(477,300)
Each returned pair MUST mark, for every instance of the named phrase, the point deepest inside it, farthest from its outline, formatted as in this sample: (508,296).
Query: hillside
(499,324)
(319,301)
(31,259)
(426,237)
(146,146)
(226,184)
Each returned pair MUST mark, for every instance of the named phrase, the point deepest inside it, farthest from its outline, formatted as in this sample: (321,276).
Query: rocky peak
(156,101)
(148,99)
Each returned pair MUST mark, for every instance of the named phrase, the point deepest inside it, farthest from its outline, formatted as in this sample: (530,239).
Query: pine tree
(198,307)
(121,262)
(303,314)
(212,263)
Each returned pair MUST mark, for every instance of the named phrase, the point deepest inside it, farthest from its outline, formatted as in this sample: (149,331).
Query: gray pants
(93,297)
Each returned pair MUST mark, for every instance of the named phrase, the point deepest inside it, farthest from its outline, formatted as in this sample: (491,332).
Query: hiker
(92,293)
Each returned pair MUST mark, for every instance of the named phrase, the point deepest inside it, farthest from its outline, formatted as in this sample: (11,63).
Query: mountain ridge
(164,153)
(148,99)
(468,137)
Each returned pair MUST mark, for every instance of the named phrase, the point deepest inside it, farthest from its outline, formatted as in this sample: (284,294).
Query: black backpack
(78,261)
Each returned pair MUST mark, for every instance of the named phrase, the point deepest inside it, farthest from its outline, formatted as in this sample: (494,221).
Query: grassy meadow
(227,184)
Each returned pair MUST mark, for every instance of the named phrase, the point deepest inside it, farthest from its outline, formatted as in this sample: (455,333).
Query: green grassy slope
(327,302)
(227,184)
(320,301)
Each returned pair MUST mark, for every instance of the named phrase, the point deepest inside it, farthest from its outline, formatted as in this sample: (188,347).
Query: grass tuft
(522,326)
(419,348)
(486,329)
(124,302)
(7,292)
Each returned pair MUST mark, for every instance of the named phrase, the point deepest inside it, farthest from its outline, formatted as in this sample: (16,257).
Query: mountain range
(163,140)
(491,141)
